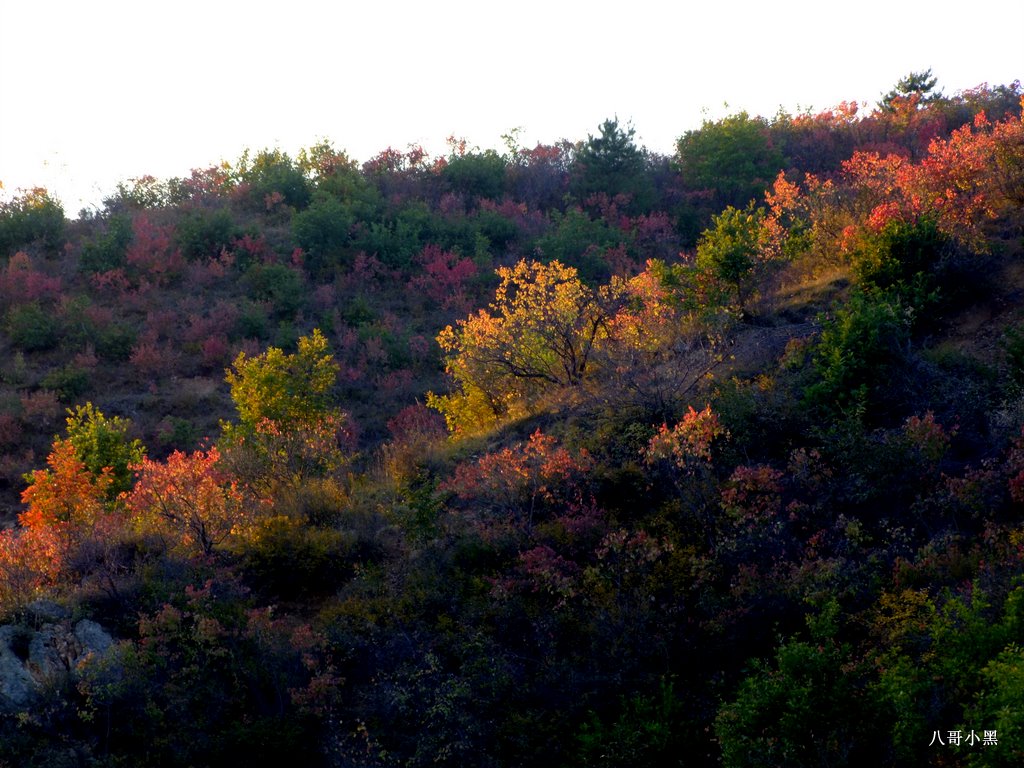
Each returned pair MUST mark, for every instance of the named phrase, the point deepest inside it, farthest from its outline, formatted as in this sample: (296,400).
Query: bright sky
(93,92)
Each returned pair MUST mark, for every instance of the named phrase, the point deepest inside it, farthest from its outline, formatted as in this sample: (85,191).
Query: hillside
(574,455)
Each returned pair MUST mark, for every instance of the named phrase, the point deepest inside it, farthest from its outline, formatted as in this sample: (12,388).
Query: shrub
(201,233)
(322,230)
(31,328)
(69,382)
(277,284)
(30,217)
(115,342)
(859,348)
(476,174)
(290,560)
(106,251)
(272,176)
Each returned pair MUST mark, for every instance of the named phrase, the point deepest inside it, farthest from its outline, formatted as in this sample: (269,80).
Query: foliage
(687,445)
(248,683)
(805,708)
(516,483)
(31,328)
(288,425)
(646,732)
(201,233)
(733,157)
(67,526)
(737,250)
(860,348)
(321,231)
(103,445)
(351,589)
(69,382)
(539,333)
(277,284)
(611,164)
(30,217)
(271,177)
(920,85)
(580,241)
(106,251)
(284,388)
(479,175)
(191,500)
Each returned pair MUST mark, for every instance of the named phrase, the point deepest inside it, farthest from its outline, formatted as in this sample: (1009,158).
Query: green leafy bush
(476,174)
(31,217)
(289,559)
(202,233)
(69,382)
(860,346)
(272,174)
(322,230)
(107,249)
(32,328)
(277,284)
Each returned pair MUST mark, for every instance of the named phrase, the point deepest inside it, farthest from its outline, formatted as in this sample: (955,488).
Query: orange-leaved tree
(191,499)
(516,483)
(67,524)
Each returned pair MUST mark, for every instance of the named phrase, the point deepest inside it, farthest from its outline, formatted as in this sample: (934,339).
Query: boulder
(31,660)
(46,611)
(17,687)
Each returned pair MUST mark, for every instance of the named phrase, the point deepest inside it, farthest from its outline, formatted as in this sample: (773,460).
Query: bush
(275,283)
(322,230)
(476,174)
(858,350)
(904,260)
(31,217)
(115,342)
(271,175)
(804,709)
(69,382)
(106,251)
(579,241)
(31,328)
(202,234)
(291,560)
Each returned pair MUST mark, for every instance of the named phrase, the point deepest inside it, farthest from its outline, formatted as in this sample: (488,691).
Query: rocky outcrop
(32,659)
(17,686)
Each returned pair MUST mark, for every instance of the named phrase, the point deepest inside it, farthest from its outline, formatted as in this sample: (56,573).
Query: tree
(611,164)
(918,86)
(322,231)
(734,248)
(191,497)
(538,334)
(273,177)
(103,446)
(516,483)
(66,512)
(288,424)
(284,388)
(29,217)
(733,157)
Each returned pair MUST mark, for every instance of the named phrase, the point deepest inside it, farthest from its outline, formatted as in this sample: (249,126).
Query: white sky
(96,92)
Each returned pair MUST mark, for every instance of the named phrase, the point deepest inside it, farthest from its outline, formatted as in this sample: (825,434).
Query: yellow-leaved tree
(539,333)
(289,426)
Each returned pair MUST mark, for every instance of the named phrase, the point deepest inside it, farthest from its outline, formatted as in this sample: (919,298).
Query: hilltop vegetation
(574,455)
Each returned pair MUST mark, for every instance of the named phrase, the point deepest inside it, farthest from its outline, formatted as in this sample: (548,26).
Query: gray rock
(92,637)
(31,660)
(51,652)
(46,611)
(17,687)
